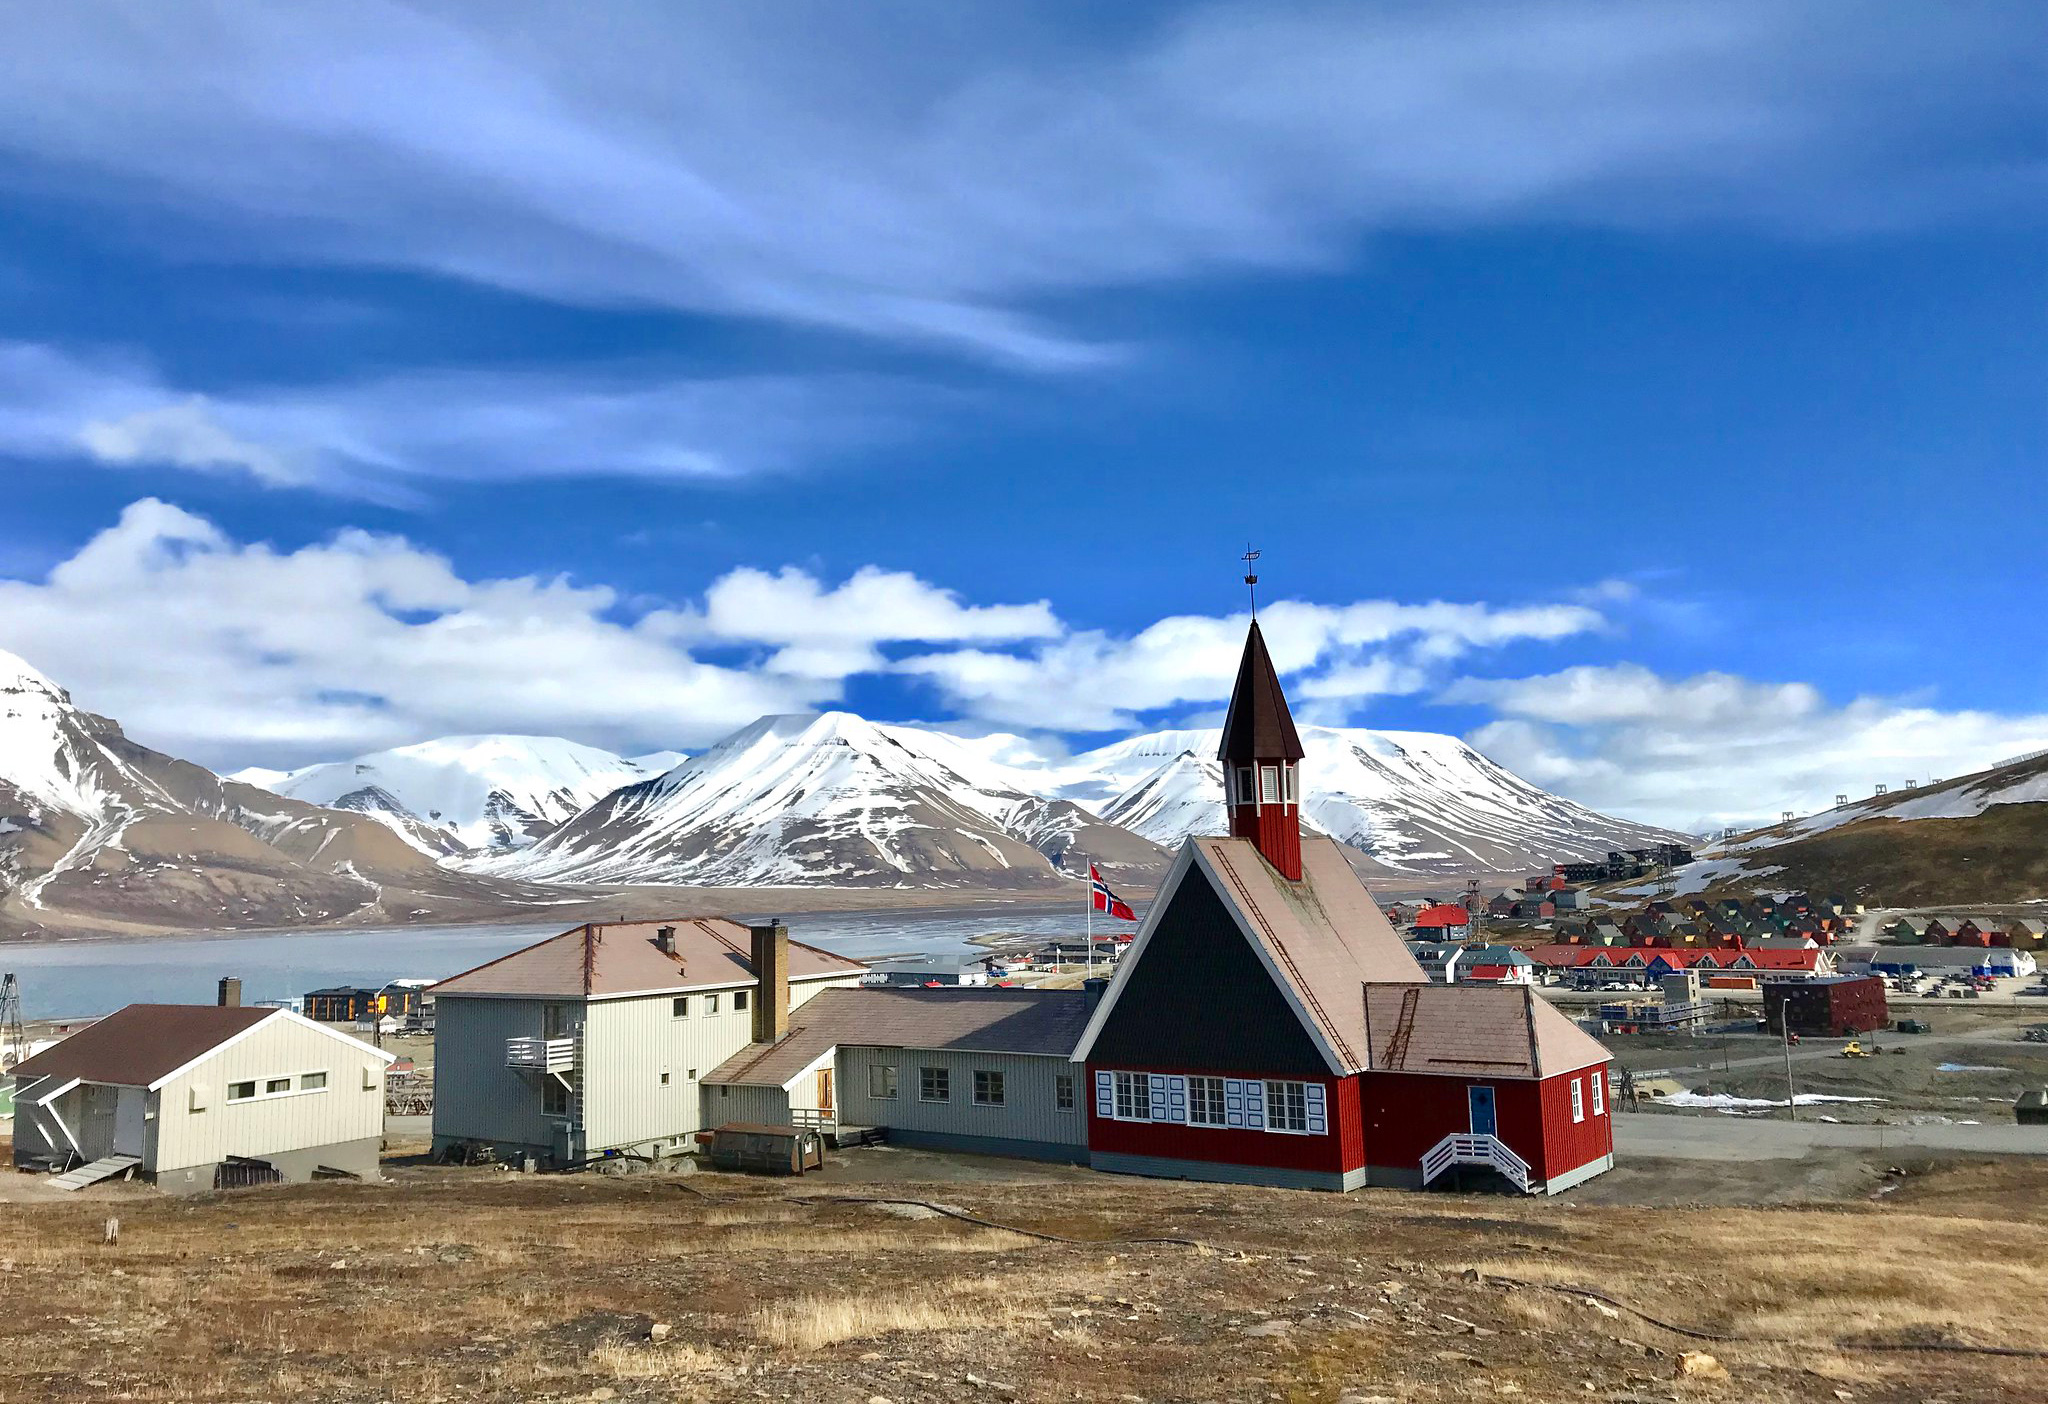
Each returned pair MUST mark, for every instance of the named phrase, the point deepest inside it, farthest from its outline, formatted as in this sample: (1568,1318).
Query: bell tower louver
(1261,758)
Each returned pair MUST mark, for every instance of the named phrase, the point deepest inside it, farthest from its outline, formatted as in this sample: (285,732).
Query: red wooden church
(1268,1026)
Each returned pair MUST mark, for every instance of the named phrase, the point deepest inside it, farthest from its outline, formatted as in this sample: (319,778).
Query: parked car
(1913,1026)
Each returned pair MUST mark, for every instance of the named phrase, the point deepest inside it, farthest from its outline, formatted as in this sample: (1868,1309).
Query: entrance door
(129,1103)
(1481,1101)
(824,1089)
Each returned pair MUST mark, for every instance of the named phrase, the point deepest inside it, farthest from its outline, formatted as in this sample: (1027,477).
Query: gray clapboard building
(978,1070)
(596,1040)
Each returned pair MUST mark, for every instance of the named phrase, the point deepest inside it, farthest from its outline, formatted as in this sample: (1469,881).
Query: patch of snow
(1724,1101)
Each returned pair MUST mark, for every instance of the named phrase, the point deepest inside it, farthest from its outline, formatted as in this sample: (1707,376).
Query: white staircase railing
(1488,1151)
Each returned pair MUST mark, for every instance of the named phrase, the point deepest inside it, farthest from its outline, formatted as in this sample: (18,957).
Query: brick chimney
(771,977)
(230,996)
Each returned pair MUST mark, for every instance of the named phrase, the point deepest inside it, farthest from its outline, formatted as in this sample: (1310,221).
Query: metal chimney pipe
(230,992)
(665,940)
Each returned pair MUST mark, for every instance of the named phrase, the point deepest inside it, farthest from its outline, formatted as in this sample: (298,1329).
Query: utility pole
(1785,1037)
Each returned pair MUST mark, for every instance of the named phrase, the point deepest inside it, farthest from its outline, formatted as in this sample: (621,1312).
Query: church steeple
(1261,758)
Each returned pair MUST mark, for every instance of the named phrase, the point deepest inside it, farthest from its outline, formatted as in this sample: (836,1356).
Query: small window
(1294,784)
(691,1074)
(934,1085)
(1244,784)
(1599,1095)
(1287,1106)
(988,1088)
(1063,1092)
(241,1091)
(1269,784)
(679,1007)
(664,1079)
(1578,1101)
(1205,1101)
(1133,1096)
(276,1085)
(313,1082)
(554,1098)
(710,1004)
(882,1082)
(739,1000)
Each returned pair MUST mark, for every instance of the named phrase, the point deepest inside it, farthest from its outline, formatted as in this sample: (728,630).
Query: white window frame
(926,1072)
(259,1087)
(1281,1095)
(1578,1101)
(1133,1096)
(1247,786)
(887,1078)
(1207,1095)
(1269,785)
(1063,1095)
(679,1007)
(990,1088)
(711,1004)
(1291,781)
(739,1001)
(1599,1096)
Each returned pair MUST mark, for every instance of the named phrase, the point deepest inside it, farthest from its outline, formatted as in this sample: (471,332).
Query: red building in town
(1268,1026)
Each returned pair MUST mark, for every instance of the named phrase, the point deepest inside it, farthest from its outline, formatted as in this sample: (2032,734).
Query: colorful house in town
(1268,1025)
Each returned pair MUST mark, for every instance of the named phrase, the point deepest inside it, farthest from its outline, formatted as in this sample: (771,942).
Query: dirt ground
(458,1285)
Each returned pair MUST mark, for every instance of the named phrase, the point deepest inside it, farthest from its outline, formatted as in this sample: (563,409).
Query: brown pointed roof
(135,1046)
(1258,726)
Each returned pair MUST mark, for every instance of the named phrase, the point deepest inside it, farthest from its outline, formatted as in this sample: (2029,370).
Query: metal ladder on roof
(1404,1026)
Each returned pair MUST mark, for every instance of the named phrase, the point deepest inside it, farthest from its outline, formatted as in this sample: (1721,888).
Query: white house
(196,1096)
(598,1039)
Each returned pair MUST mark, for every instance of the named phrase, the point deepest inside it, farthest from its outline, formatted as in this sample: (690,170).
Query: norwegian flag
(1107,901)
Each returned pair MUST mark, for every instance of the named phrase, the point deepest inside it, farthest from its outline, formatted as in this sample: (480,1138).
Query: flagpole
(1091,919)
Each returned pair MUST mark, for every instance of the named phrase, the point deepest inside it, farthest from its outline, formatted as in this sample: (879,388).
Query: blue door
(1482,1110)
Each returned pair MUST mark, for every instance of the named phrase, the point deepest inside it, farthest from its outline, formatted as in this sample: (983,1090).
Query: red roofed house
(1268,1026)
(1448,917)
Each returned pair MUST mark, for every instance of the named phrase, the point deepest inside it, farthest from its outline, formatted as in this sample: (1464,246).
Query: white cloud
(376,437)
(231,652)
(1713,750)
(1339,656)
(912,176)
(186,435)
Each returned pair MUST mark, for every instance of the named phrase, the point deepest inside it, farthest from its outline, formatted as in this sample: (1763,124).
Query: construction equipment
(1854,1049)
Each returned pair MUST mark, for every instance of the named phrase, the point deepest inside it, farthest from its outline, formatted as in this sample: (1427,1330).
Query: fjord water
(65,978)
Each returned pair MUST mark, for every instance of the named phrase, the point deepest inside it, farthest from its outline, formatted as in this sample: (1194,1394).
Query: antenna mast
(13,1042)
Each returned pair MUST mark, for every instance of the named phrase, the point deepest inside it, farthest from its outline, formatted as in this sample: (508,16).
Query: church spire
(1261,757)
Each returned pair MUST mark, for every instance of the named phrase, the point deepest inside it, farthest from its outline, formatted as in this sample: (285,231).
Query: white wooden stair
(105,1168)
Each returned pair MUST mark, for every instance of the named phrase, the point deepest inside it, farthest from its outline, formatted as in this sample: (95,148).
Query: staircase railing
(1488,1151)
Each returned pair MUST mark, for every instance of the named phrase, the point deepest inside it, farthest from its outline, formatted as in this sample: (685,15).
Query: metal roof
(135,1046)
(1474,1031)
(1026,1021)
(617,958)
(1258,725)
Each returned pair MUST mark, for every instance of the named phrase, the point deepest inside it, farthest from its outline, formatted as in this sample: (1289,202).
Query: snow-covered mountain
(97,832)
(1410,801)
(462,794)
(805,800)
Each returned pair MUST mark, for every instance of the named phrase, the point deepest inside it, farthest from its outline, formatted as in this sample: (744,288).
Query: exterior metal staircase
(91,1173)
(1488,1151)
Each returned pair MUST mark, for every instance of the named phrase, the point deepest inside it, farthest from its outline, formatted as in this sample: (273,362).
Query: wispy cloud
(914,176)
(378,437)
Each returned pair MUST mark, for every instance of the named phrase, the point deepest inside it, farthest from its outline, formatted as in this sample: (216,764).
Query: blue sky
(1651,394)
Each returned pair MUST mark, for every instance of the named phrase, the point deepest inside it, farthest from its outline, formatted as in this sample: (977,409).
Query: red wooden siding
(1568,1144)
(1407,1113)
(1340,1149)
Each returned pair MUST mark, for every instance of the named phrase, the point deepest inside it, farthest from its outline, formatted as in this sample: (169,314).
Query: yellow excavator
(1854,1049)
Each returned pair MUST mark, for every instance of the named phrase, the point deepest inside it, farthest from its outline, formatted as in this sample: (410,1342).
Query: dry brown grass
(459,1285)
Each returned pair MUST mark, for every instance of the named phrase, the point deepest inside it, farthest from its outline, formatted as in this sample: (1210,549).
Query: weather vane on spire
(1251,580)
